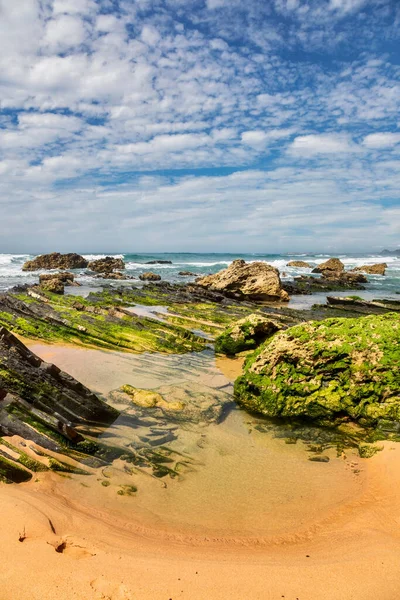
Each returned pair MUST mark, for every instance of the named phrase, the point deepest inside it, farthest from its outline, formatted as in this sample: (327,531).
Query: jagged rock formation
(55,260)
(44,387)
(149,276)
(299,263)
(328,371)
(376,269)
(254,281)
(106,265)
(246,334)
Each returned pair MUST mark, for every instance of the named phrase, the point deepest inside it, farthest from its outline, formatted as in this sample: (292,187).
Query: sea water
(11,273)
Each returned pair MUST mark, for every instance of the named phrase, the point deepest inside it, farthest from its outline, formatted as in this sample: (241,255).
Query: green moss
(246,334)
(368,450)
(327,371)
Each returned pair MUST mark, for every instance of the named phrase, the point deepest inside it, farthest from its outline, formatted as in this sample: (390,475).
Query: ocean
(11,273)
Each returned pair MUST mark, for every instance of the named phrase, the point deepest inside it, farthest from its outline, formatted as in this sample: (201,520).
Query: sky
(199,125)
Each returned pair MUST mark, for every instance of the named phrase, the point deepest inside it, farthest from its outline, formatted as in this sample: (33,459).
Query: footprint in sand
(108,590)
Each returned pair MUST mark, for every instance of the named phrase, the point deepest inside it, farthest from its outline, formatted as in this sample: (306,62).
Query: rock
(376,269)
(328,371)
(149,276)
(187,274)
(106,265)
(245,334)
(66,278)
(44,386)
(158,262)
(331,267)
(253,281)
(56,261)
(55,286)
(299,263)
(329,282)
(114,275)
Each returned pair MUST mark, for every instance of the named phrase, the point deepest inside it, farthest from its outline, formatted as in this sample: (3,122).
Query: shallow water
(238,478)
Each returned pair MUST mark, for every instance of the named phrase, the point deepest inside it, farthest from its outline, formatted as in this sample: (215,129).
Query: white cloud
(381,140)
(322,144)
(64,32)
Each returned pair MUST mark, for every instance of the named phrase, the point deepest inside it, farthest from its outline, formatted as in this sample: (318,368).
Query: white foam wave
(98,256)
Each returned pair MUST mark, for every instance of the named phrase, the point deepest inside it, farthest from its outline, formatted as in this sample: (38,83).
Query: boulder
(376,269)
(187,274)
(55,286)
(332,267)
(245,334)
(328,371)
(56,261)
(299,263)
(149,276)
(66,278)
(106,265)
(253,281)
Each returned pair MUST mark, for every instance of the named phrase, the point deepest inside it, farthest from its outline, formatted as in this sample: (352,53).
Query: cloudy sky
(191,125)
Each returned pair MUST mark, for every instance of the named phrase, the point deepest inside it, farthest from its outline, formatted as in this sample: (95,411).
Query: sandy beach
(254,520)
(350,554)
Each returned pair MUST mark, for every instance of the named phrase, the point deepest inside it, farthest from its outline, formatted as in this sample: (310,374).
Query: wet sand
(254,519)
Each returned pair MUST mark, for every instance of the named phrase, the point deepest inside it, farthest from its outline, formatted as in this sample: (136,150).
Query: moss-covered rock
(328,371)
(245,334)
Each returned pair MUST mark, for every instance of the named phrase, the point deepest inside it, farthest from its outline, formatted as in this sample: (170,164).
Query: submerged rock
(327,371)
(299,263)
(106,265)
(245,334)
(377,269)
(158,262)
(254,281)
(55,260)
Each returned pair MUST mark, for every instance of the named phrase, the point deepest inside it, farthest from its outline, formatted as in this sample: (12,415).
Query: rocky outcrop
(376,269)
(65,277)
(299,263)
(246,334)
(307,284)
(330,268)
(253,281)
(328,371)
(55,286)
(149,276)
(106,265)
(56,261)
(158,262)
(40,386)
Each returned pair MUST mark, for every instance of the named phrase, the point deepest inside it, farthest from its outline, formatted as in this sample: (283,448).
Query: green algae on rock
(329,371)
(245,334)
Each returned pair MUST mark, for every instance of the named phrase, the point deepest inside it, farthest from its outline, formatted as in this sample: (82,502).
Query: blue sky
(199,125)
